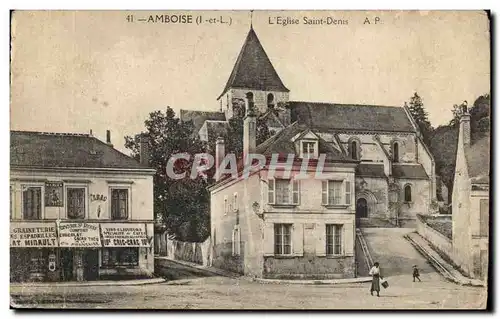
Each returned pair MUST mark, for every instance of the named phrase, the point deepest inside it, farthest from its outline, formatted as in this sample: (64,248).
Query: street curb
(314,282)
(439,267)
(137,282)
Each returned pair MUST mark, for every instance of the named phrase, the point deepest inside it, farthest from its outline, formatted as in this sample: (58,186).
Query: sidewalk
(315,282)
(135,282)
(225,273)
(442,266)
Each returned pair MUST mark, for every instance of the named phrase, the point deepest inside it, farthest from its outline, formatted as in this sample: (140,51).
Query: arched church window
(408,193)
(354,150)
(270,101)
(395,152)
(249,97)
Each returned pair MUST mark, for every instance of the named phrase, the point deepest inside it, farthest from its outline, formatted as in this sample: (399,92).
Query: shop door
(91,264)
(66,264)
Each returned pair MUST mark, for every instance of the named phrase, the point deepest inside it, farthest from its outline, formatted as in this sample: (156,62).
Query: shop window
(120,256)
(333,239)
(32,202)
(119,203)
(75,203)
(282,239)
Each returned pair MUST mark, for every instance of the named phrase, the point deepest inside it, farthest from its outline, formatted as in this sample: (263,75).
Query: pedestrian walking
(376,275)
(416,273)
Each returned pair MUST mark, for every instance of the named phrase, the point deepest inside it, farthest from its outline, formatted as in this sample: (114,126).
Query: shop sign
(32,234)
(124,235)
(79,235)
(53,194)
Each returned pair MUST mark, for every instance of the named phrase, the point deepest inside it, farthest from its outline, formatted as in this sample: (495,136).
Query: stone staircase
(363,257)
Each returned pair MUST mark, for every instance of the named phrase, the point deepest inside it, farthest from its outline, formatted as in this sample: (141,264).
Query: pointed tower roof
(253,69)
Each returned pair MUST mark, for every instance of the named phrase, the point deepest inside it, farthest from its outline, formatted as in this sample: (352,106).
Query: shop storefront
(76,251)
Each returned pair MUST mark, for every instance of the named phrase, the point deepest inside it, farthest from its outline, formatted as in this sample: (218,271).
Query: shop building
(80,209)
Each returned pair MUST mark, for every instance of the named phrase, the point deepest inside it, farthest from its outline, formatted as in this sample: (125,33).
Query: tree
(445,138)
(420,115)
(183,204)
(233,137)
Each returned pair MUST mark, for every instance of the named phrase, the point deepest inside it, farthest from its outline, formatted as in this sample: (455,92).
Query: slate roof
(199,117)
(49,150)
(327,116)
(253,69)
(398,171)
(409,171)
(281,143)
(478,160)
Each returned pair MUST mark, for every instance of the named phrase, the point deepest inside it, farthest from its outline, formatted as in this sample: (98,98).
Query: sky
(76,71)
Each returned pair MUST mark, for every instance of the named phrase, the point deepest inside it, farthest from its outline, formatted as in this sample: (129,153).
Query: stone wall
(438,240)
(309,267)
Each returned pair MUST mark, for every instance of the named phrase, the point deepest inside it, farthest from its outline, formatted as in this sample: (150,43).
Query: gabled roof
(478,160)
(282,144)
(253,69)
(271,119)
(328,116)
(199,117)
(53,150)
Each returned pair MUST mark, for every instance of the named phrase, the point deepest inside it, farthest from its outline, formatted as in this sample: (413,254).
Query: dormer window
(309,149)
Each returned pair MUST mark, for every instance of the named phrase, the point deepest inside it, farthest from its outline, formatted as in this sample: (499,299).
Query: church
(379,174)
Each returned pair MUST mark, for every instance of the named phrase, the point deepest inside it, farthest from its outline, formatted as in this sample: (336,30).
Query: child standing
(416,273)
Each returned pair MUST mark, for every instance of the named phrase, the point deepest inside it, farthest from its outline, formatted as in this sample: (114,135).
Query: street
(226,293)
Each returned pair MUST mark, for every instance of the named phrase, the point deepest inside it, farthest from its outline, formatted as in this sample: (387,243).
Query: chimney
(464,134)
(249,130)
(108,138)
(144,153)
(220,150)
(91,133)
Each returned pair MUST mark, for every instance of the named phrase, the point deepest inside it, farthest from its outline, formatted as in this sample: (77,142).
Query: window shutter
(348,193)
(295,192)
(268,239)
(324,192)
(348,239)
(270,191)
(298,239)
(320,240)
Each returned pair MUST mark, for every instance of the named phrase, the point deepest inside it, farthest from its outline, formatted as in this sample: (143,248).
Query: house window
(408,193)
(120,256)
(332,193)
(119,203)
(333,239)
(32,202)
(395,152)
(75,203)
(236,241)
(282,239)
(309,149)
(283,192)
